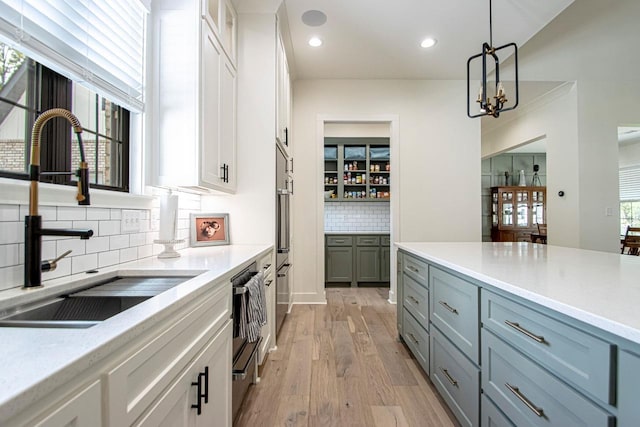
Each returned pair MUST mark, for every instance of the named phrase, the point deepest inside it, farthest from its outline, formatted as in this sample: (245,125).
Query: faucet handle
(83,184)
(52,264)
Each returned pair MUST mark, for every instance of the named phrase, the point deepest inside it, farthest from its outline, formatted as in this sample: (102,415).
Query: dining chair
(631,241)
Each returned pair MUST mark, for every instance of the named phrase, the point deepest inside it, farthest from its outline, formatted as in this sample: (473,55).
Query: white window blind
(630,183)
(99,43)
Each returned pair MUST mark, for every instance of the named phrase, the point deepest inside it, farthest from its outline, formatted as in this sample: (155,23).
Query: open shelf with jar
(361,167)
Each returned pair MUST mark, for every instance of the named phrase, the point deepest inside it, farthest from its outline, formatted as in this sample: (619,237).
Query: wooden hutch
(516,211)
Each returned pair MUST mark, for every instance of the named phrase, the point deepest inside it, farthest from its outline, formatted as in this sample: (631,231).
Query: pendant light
(492,100)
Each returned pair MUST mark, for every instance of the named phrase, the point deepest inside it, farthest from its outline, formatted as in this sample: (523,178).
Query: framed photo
(209,229)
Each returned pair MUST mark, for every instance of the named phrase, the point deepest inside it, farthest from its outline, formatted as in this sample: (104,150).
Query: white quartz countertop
(34,361)
(599,288)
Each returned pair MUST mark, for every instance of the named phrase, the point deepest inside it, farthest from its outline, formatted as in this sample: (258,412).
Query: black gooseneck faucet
(33,232)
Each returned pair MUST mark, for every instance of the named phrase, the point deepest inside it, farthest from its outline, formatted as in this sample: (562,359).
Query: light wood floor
(341,364)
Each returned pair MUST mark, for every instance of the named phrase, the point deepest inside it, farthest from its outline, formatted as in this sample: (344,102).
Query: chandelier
(491,100)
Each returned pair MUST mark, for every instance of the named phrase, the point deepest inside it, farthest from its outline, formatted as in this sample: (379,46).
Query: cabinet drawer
(385,241)
(368,240)
(416,268)
(417,339)
(628,380)
(339,240)
(454,309)
(491,415)
(571,354)
(415,299)
(83,409)
(528,394)
(456,378)
(135,383)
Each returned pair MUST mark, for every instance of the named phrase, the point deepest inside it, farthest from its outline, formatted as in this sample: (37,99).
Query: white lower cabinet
(82,409)
(134,384)
(201,395)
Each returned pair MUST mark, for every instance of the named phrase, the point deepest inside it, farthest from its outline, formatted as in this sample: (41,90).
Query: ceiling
(375,39)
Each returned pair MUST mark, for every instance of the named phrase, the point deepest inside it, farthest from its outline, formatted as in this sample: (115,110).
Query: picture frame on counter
(208,229)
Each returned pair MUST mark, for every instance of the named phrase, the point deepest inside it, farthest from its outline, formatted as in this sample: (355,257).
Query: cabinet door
(628,380)
(174,407)
(83,409)
(228,124)
(339,266)
(385,264)
(210,120)
(367,264)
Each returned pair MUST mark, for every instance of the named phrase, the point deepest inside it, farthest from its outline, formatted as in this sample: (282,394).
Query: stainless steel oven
(283,238)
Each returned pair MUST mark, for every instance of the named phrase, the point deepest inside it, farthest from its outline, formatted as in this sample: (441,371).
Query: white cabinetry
(283,95)
(82,409)
(193,95)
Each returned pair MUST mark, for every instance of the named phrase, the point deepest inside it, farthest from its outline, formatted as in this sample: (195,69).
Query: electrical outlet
(130,221)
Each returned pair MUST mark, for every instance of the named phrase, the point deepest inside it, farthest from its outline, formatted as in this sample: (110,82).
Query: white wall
(589,43)
(437,164)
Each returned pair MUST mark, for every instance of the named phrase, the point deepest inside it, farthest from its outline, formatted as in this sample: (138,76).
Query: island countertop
(599,288)
(37,360)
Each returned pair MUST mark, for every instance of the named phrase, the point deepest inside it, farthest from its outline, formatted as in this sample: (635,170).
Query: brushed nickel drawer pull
(413,338)
(415,301)
(412,268)
(448,307)
(538,411)
(449,377)
(517,327)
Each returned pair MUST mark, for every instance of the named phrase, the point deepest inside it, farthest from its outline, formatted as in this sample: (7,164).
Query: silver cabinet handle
(413,338)
(412,268)
(517,327)
(449,377)
(339,241)
(415,301)
(515,390)
(448,307)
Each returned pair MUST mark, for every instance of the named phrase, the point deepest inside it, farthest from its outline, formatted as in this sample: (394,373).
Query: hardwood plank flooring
(341,364)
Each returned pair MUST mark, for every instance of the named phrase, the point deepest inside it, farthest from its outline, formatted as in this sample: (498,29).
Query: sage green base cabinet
(628,383)
(500,360)
(357,258)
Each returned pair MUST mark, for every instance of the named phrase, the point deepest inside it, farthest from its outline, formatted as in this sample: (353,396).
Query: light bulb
(315,42)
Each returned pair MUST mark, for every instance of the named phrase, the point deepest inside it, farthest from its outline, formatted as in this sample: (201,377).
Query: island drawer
(416,268)
(576,356)
(528,394)
(456,378)
(454,310)
(339,240)
(138,380)
(491,415)
(367,240)
(417,339)
(416,300)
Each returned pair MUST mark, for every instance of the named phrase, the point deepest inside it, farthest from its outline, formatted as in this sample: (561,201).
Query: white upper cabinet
(193,95)
(283,96)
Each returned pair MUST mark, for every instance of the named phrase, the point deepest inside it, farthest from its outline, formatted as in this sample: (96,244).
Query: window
(629,197)
(26,89)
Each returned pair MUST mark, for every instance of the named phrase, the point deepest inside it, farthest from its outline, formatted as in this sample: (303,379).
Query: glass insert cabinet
(516,212)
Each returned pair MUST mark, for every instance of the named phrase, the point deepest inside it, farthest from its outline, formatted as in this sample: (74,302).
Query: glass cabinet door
(537,205)
(507,208)
(494,209)
(523,208)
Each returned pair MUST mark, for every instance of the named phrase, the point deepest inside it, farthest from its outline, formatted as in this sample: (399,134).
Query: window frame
(51,89)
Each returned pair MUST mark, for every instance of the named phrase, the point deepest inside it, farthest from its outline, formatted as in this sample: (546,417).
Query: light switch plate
(130,221)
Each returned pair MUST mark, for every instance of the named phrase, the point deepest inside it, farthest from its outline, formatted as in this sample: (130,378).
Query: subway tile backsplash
(357,217)
(108,246)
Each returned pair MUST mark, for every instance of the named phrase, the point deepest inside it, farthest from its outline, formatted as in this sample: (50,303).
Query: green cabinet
(357,258)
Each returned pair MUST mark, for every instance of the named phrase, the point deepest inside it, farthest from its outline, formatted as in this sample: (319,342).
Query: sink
(92,305)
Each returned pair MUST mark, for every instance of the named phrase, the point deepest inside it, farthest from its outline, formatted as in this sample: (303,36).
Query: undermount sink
(90,306)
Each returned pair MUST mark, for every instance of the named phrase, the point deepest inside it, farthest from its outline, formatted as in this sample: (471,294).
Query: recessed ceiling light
(314,18)
(315,42)
(428,42)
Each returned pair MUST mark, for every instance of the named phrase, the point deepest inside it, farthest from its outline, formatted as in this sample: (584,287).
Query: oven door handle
(241,374)
(284,267)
